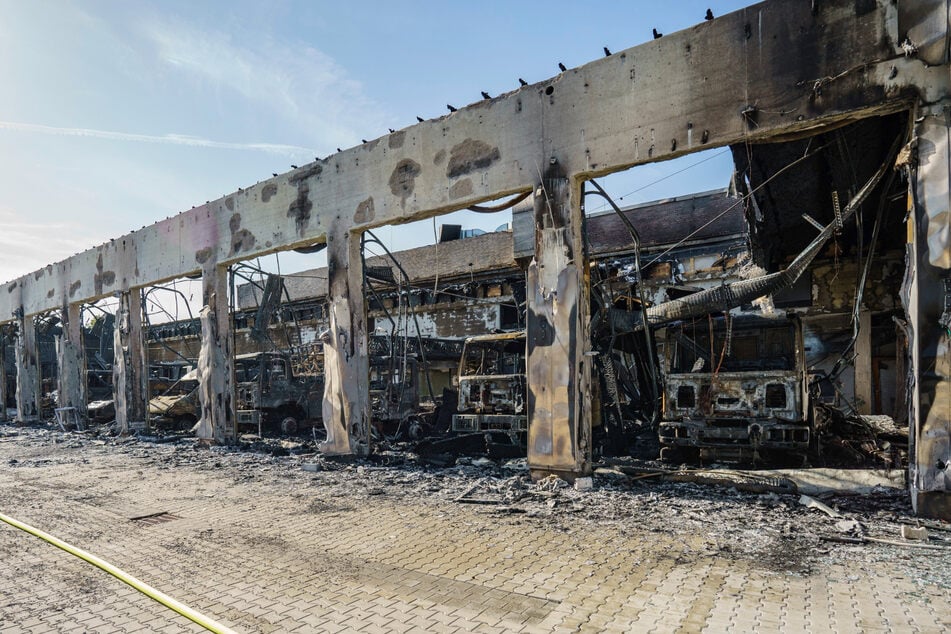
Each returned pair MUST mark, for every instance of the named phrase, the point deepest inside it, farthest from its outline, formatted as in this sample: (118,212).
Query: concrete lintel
(925,26)
(778,67)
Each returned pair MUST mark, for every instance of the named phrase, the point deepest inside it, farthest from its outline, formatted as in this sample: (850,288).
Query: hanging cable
(671,175)
(236,271)
(736,293)
(419,338)
(648,332)
(174,318)
(500,207)
(844,359)
(161,341)
(742,199)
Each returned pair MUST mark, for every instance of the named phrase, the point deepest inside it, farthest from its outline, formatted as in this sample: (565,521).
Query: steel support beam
(557,323)
(71,361)
(218,423)
(129,369)
(28,371)
(927,298)
(346,406)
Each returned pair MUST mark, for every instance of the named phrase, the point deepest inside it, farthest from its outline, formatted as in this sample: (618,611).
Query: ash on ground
(775,529)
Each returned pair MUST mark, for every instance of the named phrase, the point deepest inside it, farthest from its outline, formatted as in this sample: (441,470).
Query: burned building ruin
(837,117)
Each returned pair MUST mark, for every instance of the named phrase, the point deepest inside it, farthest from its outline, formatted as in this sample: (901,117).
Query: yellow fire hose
(190,614)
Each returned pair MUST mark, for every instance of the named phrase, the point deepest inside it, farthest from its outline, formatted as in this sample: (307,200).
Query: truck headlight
(686,397)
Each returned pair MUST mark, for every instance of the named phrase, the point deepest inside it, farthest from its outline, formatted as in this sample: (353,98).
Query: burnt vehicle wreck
(272,395)
(178,405)
(406,376)
(740,396)
(491,385)
(486,408)
(732,380)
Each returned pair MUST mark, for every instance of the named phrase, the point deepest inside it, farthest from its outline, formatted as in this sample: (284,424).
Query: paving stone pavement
(285,554)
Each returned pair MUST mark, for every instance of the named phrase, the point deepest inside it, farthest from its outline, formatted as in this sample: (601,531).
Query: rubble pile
(859,440)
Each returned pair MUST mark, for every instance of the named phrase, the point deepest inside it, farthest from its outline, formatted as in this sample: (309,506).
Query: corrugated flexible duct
(728,296)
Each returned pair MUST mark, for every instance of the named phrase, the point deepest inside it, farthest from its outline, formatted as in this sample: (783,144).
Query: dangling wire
(648,332)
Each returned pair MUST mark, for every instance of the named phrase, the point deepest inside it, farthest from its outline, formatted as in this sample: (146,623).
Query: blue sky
(116,114)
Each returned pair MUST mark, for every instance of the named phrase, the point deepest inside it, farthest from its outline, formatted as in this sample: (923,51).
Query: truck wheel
(185,422)
(289,425)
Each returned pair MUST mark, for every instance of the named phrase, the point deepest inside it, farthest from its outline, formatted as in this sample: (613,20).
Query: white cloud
(297,82)
(28,246)
(170,139)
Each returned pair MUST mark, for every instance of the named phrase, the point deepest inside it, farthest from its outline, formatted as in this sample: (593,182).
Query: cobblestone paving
(266,553)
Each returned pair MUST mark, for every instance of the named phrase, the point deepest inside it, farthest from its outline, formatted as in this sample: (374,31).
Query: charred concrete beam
(346,407)
(782,67)
(129,369)
(71,361)
(557,323)
(928,307)
(3,375)
(218,423)
(924,26)
(28,370)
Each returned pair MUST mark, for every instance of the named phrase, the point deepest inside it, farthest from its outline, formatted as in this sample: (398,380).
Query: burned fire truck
(735,390)
(491,384)
(271,394)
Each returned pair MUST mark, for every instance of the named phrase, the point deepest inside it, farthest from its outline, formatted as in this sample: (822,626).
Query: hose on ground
(195,617)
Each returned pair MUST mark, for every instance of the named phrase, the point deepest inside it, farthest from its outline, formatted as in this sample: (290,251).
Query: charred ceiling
(808,176)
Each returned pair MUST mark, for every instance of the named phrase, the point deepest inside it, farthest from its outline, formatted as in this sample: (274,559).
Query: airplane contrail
(170,139)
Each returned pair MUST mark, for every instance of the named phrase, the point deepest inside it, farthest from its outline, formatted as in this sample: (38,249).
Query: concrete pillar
(558,367)
(863,364)
(218,422)
(71,361)
(3,374)
(129,370)
(927,299)
(28,370)
(346,407)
